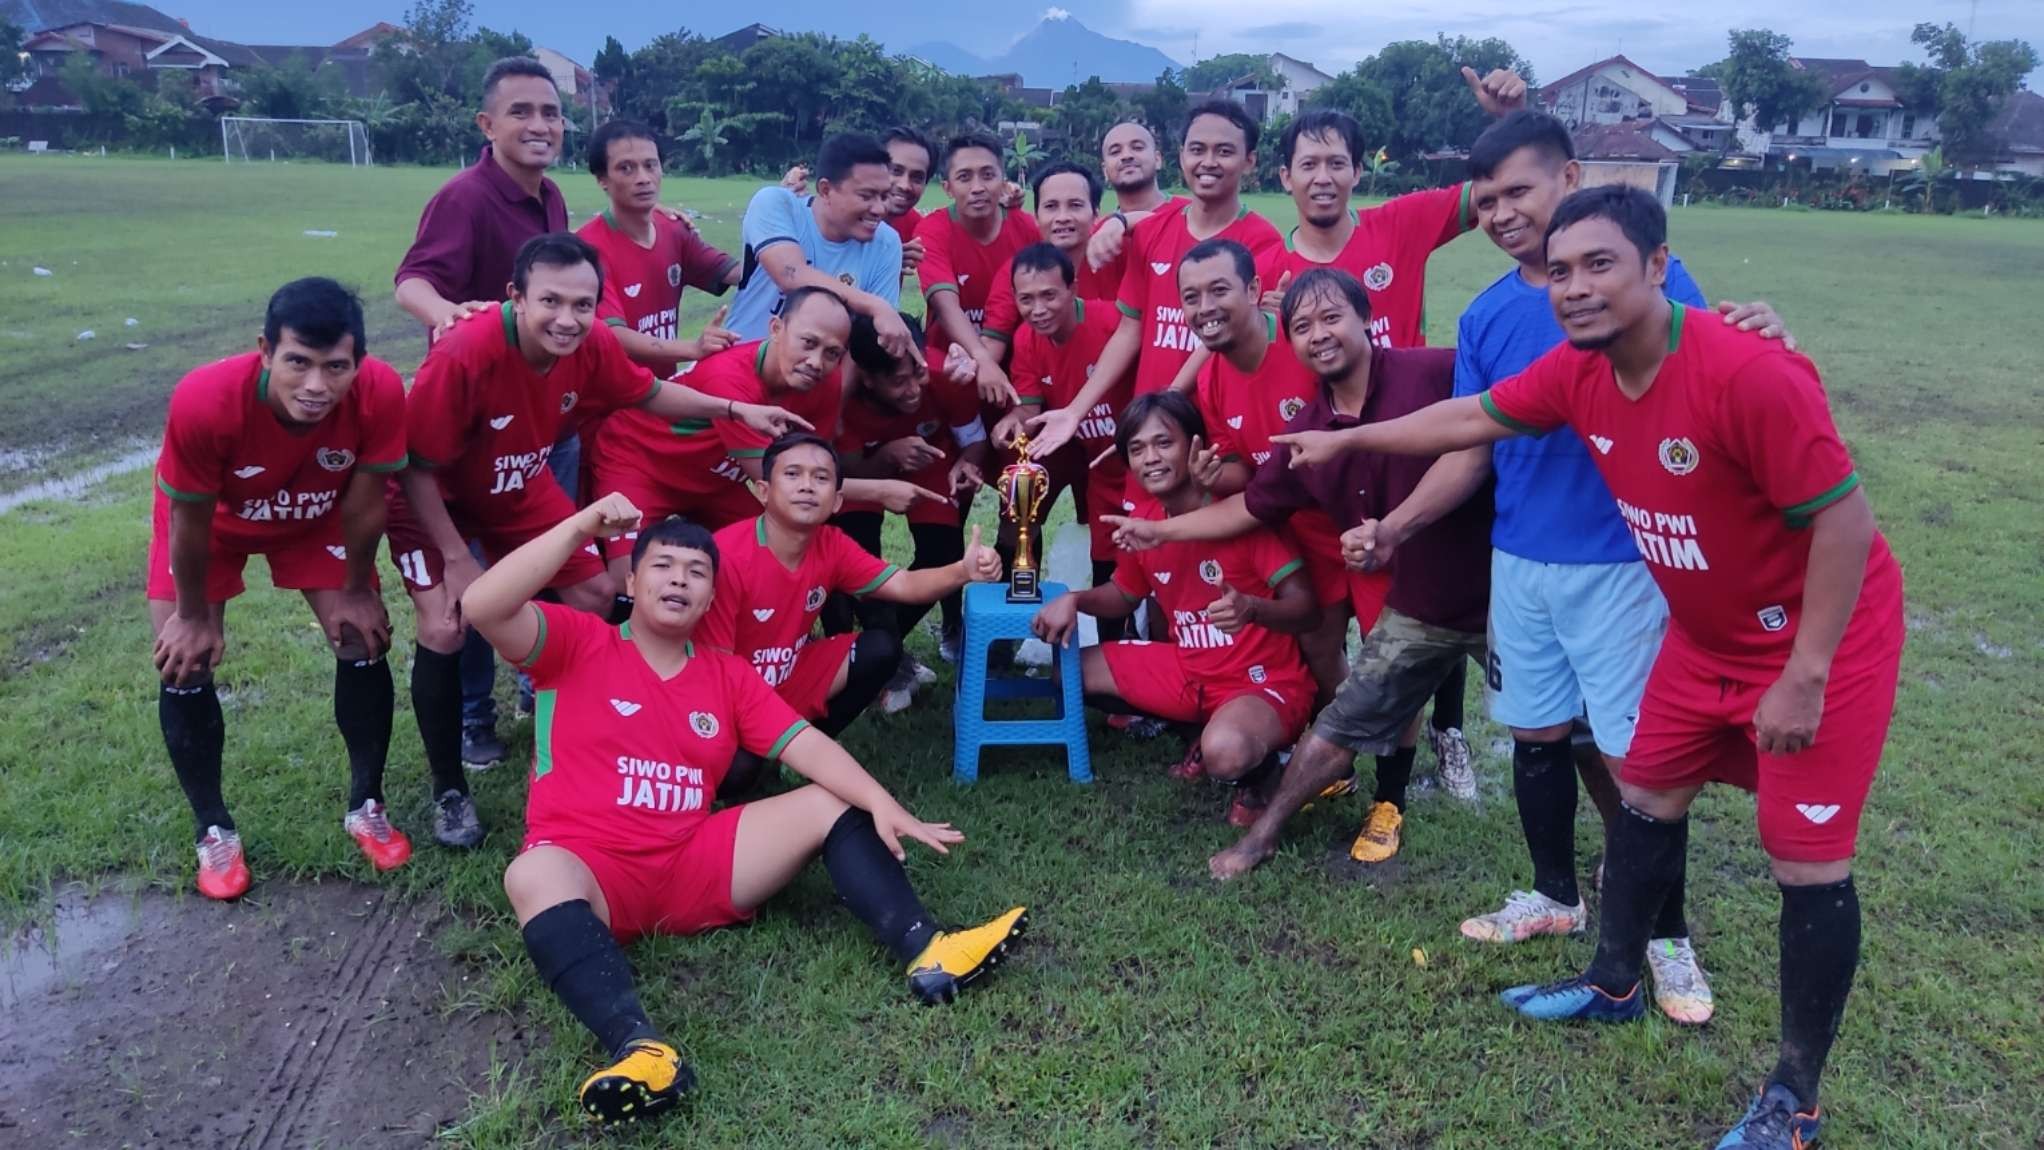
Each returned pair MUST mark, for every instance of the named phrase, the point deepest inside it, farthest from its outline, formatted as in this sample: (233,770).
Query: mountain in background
(1057,52)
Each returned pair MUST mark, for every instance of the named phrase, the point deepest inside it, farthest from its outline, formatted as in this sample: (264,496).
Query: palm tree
(1383,164)
(1022,155)
(707,136)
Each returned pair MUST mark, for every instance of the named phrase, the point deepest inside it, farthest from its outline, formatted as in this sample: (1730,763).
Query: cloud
(1056,14)
(1289,30)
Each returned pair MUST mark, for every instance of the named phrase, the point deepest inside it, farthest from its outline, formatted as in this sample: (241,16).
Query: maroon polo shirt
(1440,576)
(472,228)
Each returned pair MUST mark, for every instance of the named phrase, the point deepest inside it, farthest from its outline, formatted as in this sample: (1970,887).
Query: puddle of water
(74,485)
(65,952)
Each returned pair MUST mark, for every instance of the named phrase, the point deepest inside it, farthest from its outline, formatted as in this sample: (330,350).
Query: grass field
(1149,1007)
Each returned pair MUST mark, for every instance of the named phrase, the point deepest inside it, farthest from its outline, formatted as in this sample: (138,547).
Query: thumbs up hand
(1233,610)
(981,564)
(1274,300)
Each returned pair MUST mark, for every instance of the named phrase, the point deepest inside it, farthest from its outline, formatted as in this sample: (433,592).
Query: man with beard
(910,157)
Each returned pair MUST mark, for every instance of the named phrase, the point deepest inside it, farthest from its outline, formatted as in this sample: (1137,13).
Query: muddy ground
(306,1015)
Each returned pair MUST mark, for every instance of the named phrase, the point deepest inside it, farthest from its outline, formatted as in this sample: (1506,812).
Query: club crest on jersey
(1289,407)
(1377,278)
(814,600)
(632,290)
(1257,674)
(703,723)
(1210,570)
(568,402)
(1773,617)
(1679,456)
(927,428)
(846,279)
(335,458)
(673,275)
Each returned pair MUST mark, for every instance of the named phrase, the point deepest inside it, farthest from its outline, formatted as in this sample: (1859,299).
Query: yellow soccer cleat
(1379,839)
(649,1080)
(955,959)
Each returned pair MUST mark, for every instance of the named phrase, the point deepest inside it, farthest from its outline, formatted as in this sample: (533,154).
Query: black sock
(1819,953)
(1110,629)
(871,883)
(195,735)
(1672,922)
(1544,784)
(436,703)
(586,969)
(876,655)
(620,609)
(363,702)
(1394,772)
(1642,857)
(1448,697)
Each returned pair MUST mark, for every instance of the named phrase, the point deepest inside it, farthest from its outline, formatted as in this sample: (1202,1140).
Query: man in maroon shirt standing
(460,262)
(1434,613)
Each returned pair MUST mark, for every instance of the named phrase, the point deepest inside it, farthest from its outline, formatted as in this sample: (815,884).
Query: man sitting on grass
(636,726)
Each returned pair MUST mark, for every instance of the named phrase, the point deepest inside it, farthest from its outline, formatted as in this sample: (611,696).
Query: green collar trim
(1675,328)
(759,360)
(759,530)
(510,326)
(263,386)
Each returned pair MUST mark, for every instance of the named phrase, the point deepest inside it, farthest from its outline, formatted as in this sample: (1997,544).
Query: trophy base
(1023,588)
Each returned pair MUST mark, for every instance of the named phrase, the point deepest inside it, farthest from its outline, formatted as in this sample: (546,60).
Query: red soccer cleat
(385,846)
(1189,769)
(222,873)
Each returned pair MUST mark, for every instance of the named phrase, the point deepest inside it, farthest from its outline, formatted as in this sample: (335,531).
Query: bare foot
(1240,859)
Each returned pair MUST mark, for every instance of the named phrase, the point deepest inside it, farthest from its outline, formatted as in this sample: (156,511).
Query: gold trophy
(1023,484)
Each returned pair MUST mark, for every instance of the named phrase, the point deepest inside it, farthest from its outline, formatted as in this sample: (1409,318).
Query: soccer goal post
(267,139)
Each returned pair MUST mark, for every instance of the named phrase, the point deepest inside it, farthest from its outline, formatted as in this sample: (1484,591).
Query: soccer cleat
(1189,769)
(481,749)
(1526,914)
(1244,814)
(1775,1121)
(1680,989)
(222,873)
(1136,726)
(900,690)
(956,959)
(921,674)
(948,644)
(385,846)
(1381,835)
(1575,1000)
(649,1080)
(1451,752)
(455,822)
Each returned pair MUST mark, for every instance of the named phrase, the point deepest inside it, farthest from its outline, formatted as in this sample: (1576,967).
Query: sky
(1558,36)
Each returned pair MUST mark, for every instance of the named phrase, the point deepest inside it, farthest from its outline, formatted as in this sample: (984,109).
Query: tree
(1216,71)
(291,90)
(1759,81)
(613,69)
(1085,112)
(1022,156)
(707,136)
(1162,109)
(1963,85)
(1364,102)
(1429,102)
(13,61)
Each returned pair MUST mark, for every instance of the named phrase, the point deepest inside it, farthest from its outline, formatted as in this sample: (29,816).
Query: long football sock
(872,885)
(436,703)
(1544,785)
(1394,774)
(586,969)
(364,700)
(1820,931)
(195,734)
(876,655)
(1642,862)
(1448,697)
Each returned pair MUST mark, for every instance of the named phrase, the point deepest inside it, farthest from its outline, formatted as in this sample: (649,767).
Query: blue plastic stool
(989,618)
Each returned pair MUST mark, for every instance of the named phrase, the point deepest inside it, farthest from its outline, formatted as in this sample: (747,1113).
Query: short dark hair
(319,311)
(1524,128)
(510,66)
(676,531)
(1245,264)
(555,250)
(845,151)
(1066,168)
(903,134)
(965,141)
(793,301)
(610,133)
(795,439)
(1044,257)
(1230,111)
(1320,283)
(1322,124)
(1636,212)
(870,354)
(1172,405)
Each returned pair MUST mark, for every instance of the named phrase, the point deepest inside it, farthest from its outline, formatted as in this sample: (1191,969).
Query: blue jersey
(779,216)
(1552,506)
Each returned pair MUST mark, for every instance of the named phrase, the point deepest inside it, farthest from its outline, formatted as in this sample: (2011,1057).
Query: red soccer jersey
(1186,578)
(698,457)
(1244,409)
(763,611)
(1388,254)
(1004,321)
(1717,469)
(1048,373)
(946,413)
(223,442)
(954,261)
(625,758)
(1149,285)
(905,224)
(485,421)
(642,285)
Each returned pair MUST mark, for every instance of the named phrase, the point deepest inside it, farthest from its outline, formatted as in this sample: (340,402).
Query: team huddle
(1630,509)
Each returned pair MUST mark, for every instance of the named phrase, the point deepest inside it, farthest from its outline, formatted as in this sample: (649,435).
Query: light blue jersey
(779,216)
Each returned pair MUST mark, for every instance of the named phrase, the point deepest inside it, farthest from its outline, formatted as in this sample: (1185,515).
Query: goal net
(263,140)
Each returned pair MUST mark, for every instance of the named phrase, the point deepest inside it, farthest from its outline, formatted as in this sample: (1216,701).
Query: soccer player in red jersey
(1129,159)
(779,569)
(637,725)
(648,255)
(1232,605)
(481,419)
(963,250)
(279,452)
(1778,671)
(910,159)
(1067,209)
(701,468)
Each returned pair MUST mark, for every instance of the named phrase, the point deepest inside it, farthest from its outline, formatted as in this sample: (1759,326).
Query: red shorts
(311,560)
(675,888)
(543,506)
(1314,537)
(1367,591)
(1696,726)
(806,688)
(657,499)
(1150,678)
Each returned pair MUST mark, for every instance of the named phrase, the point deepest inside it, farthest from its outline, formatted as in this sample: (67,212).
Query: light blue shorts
(1571,640)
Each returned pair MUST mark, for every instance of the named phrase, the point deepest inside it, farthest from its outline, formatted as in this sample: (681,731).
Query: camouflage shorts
(1400,666)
